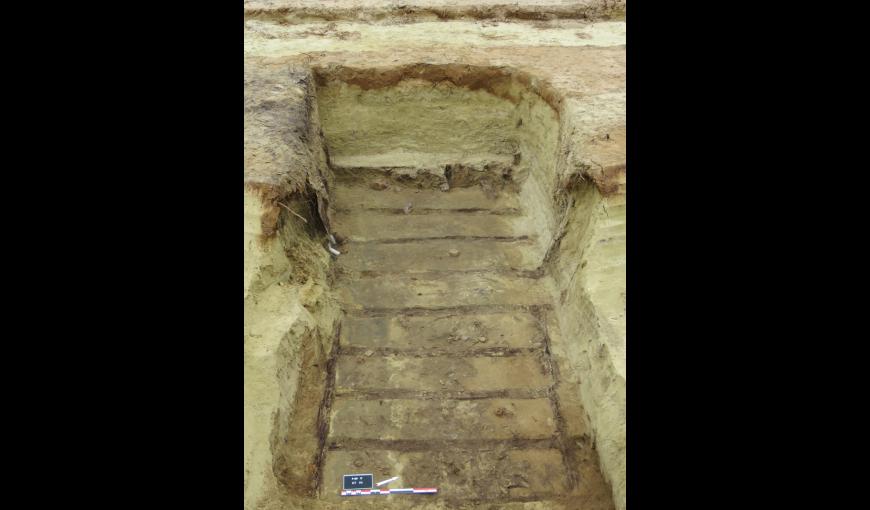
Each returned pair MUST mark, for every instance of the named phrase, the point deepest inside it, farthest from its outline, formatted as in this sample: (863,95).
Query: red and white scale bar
(384,492)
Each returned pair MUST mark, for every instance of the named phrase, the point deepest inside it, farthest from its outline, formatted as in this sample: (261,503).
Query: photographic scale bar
(384,492)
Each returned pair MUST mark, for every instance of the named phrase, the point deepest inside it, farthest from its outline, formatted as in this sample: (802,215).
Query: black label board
(358,482)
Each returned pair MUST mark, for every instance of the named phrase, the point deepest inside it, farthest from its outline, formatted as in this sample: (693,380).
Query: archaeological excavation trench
(457,341)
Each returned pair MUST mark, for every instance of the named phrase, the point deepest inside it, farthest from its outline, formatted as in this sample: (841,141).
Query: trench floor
(442,373)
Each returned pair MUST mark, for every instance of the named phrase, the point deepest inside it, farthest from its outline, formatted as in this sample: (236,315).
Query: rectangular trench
(442,373)
(441,370)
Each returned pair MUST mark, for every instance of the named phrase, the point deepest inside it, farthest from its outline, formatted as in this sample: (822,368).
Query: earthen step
(379,226)
(396,198)
(615,217)
(434,374)
(608,252)
(402,159)
(441,254)
(604,231)
(446,331)
(406,419)
(467,475)
(606,273)
(605,239)
(448,289)
(615,210)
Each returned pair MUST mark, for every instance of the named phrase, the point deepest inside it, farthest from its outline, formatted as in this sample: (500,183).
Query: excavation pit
(447,343)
